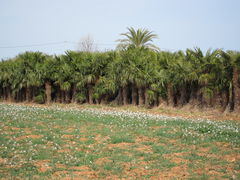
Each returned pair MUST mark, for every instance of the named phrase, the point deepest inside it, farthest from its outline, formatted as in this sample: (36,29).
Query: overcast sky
(180,24)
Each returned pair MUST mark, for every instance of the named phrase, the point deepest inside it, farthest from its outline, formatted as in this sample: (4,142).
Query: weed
(121,144)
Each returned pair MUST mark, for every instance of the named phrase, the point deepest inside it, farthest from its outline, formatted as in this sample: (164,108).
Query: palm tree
(62,77)
(134,62)
(7,76)
(166,74)
(104,86)
(31,77)
(121,73)
(75,59)
(48,70)
(233,58)
(87,71)
(140,38)
(196,59)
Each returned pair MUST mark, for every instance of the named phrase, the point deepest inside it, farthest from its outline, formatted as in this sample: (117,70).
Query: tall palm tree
(140,38)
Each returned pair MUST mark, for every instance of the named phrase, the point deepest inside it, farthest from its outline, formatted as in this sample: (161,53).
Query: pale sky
(180,24)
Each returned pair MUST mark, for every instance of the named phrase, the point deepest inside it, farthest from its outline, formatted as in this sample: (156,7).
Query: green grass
(53,142)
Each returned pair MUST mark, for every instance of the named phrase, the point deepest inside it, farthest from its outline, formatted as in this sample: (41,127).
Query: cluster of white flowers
(122,118)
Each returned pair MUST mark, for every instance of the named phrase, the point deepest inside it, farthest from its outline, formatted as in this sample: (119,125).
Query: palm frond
(137,38)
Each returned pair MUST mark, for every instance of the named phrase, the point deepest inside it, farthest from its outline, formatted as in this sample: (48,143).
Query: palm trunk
(119,99)
(141,96)
(67,96)
(193,101)
(48,92)
(162,101)
(134,95)
(1,93)
(23,94)
(224,100)
(32,93)
(236,90)
(183,94)
(104,100)
(146,98)
(74,92)
(216,100)
(4,94)
(230,103)
(90,94)
(58,95)
(17,96)
(98,101)
(156,101)
(62,96)
(170,95)
(28,93)
(9,95)
(125,95)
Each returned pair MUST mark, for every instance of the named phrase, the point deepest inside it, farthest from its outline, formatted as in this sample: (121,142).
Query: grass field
(91,143)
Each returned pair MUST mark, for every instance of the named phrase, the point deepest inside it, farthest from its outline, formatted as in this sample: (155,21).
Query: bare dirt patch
(101,139)
(157,127)
(205,152)
(70,130)
(60,166)
(211,171)
(178,172)
(15,128)
(81,172)
(204,149)
(176,157)
(136,173)
(64,150)
(231,157)
(144,148)
(223,145)
(42,165)
(27,131)
(67,136)
(141,139)
(112,177)
(119,145)
(85,174)
(29,137)
(59,173)
(101,161)
(57,127)
(83,139)
(172,141)
(80,168)
(3,161)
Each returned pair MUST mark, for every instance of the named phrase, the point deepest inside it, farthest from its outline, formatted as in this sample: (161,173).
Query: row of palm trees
(136,73)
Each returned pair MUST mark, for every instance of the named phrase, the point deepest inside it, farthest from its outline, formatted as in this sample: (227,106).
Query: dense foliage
(135,75)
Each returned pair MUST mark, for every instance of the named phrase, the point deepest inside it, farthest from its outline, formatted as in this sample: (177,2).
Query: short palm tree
(233,58)
(137,38)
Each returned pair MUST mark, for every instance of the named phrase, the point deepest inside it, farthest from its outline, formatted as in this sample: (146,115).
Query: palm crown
(137,38)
